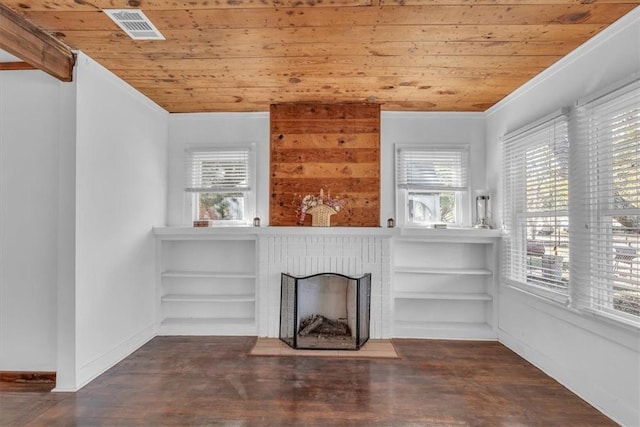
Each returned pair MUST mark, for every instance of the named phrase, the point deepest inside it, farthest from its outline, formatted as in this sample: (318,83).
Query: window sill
(560,299)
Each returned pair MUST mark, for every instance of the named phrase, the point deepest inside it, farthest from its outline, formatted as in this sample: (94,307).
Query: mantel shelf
(461,235)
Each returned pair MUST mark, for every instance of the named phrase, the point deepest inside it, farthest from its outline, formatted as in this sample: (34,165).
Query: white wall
(597,360)
(30,123)
(429,128)
(121,170)
(211,128)
(216,128)
(66,378)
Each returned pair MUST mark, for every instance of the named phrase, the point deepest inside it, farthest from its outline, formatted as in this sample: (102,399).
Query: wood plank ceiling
(407,55)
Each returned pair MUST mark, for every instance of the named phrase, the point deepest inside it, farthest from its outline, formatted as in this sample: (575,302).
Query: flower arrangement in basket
(319,207)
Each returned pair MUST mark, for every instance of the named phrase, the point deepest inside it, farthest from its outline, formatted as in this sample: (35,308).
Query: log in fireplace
(326,311)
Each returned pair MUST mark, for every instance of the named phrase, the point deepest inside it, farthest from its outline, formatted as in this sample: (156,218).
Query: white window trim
(582,213)
(596,209)
(516,241)
(190,204)
(463,204)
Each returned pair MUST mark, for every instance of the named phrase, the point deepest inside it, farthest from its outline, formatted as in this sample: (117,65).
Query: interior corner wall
(598,360)
(30,120)
(121,178)
(66,372)
(216,128)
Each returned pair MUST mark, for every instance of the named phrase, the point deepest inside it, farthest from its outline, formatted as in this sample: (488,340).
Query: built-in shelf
(208,274)
(449,271)
(207,326)
(444,284)
(208,298)
(207,282)
(207,321)
(445,330)
(443,296)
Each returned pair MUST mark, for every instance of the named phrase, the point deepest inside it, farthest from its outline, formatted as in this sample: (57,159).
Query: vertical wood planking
(334,147)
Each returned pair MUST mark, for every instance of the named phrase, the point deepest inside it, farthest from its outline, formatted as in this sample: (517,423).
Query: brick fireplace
(350,252)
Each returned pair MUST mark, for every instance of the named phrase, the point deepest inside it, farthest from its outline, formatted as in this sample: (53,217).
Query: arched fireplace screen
(326,311)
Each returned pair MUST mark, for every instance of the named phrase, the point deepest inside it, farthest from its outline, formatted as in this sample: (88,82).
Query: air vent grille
(135,24)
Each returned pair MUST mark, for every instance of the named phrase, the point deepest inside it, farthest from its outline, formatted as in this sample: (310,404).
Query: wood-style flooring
(212,381)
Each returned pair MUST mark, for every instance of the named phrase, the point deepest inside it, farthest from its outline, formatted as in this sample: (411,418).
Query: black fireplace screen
(326,311)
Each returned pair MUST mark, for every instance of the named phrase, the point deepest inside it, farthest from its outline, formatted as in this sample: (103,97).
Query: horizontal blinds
(432,168)
(610,128)
(536,179)
(217,170)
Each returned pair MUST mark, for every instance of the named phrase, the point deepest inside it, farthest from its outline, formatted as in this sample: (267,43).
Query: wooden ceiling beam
(17,65)
(21,38)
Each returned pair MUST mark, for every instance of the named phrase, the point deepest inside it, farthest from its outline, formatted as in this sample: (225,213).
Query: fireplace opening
(326,311)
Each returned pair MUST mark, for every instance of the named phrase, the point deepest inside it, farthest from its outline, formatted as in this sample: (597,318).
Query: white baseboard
(611,406)
(101,364)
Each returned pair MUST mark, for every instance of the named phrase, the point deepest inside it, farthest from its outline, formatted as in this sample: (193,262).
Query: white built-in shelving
(206,282)
(444,284)
(428,283)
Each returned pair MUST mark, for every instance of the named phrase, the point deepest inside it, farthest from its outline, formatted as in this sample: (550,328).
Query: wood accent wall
(334,147)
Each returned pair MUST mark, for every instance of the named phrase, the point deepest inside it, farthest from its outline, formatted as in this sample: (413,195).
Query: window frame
(602,167)
(598,115)
(192,193)
(403,189)
(519,147)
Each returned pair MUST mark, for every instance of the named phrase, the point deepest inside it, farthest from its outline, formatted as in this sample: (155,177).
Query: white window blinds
(536,169)
(609,128)
(433,168)
(217,170)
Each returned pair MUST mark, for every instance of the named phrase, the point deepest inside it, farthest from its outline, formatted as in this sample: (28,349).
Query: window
(536,206)
(219,184)
(609,131)
(432,183)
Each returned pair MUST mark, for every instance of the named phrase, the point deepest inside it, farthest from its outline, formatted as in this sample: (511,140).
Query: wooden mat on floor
(373,349)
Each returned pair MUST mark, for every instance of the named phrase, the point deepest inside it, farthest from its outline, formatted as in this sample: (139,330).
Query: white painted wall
(225,128)
(430,128)
(121,171)
(66,378)
(597,360)
(216,128)
(30,124)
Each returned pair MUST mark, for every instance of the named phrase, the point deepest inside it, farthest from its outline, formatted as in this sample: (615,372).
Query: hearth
(326,311)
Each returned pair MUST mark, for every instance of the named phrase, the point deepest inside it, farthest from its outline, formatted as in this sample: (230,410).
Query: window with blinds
(609,132)
(431,182)
(220,180)
(536,206)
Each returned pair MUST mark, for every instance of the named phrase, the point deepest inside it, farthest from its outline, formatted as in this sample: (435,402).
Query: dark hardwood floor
(211,381)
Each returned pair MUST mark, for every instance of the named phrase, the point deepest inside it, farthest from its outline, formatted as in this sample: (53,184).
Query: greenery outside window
(219,183)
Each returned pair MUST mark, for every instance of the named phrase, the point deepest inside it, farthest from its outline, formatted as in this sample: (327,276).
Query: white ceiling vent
(135,24)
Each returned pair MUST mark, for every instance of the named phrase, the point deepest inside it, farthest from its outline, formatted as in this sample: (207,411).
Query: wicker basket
(321,215)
